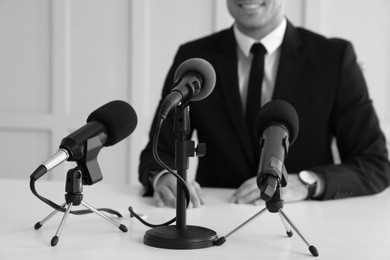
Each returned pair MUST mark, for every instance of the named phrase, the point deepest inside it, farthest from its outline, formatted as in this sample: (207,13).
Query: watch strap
(311,187)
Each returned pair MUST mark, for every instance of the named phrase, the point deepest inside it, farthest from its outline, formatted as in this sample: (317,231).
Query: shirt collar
(271,41)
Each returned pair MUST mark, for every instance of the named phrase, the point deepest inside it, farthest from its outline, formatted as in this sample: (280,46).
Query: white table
(357,228)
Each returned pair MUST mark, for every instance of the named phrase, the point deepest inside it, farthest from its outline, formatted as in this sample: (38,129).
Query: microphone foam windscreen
(278,111)
(119,118)
(202,67)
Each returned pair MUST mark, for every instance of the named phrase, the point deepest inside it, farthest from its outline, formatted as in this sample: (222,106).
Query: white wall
(61,59)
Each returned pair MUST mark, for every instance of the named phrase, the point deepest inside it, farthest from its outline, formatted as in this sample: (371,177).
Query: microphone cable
(171,171)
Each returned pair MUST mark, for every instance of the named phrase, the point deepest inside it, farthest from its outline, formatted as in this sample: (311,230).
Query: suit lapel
(290,65)
(226,71)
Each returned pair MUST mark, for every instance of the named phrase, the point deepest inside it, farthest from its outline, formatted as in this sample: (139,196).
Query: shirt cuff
(155,177)
(320,185)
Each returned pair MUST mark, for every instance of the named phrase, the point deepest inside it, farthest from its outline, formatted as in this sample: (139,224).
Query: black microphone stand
(75,179)
(181,235)
(274,205)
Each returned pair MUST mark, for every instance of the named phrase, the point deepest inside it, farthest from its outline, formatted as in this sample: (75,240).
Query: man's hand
(249,193)
(165,192)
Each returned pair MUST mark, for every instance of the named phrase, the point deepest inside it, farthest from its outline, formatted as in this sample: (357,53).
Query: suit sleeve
(364,167)
(166,145)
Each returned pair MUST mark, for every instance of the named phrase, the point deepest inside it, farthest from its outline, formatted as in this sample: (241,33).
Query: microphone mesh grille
(119,118)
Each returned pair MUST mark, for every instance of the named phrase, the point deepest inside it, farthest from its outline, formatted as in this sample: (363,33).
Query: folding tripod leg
(222,240)
(288,229)
(39,224)
(313,250)
(121,227)
(55,239)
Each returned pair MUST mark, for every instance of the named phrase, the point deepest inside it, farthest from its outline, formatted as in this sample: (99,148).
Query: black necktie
(253,101)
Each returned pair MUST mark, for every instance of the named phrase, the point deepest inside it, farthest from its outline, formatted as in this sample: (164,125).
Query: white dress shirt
(272,43)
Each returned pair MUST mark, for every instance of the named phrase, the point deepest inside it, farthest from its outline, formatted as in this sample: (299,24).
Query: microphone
(277,126)
(111,123)
(194,80)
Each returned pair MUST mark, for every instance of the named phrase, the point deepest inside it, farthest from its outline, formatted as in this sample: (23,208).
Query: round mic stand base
(173,237)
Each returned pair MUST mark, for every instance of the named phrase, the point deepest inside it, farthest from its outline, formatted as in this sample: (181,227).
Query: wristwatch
(309,179)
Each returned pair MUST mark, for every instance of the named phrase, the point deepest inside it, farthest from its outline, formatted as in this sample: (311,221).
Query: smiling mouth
(251,6)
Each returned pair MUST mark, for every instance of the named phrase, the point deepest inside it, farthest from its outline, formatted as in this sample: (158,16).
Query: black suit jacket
(321,79)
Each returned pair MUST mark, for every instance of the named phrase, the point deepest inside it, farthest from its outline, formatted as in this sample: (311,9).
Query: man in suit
(319,77)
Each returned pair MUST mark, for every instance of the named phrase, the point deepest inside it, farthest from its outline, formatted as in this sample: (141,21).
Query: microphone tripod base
(172,237)
(274,205)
